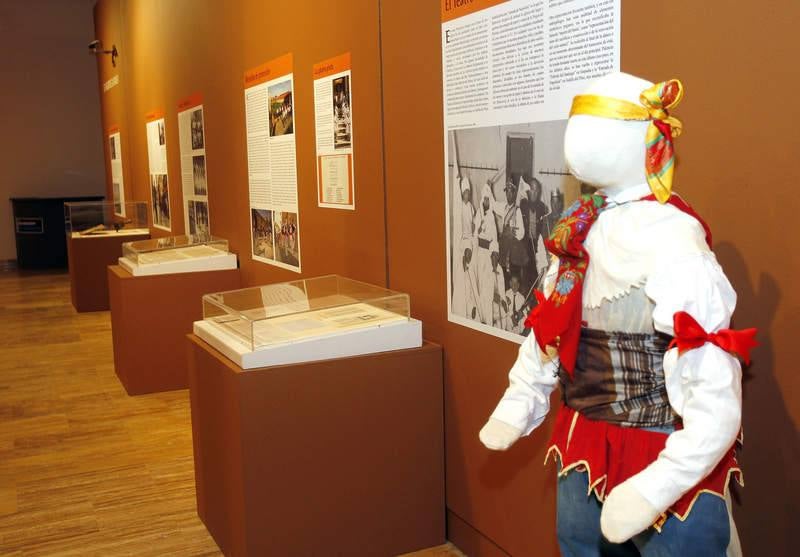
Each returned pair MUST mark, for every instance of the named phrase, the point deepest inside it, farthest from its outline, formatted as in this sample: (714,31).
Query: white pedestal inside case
(398,335)
(180,260)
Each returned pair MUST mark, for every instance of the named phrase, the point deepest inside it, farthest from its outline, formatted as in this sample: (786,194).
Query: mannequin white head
(604,152)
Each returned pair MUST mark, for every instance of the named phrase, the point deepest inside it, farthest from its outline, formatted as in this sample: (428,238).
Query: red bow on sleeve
(689,334)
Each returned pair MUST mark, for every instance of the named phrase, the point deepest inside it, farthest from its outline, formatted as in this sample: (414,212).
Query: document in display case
(307,320)
(176,254)
(95,219)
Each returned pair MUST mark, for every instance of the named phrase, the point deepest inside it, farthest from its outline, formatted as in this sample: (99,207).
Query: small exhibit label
(30,225)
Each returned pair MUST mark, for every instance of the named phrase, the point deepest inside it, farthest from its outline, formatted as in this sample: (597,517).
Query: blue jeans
(704,533)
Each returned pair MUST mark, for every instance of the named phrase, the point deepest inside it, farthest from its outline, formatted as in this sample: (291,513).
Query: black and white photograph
(199,175)
(162,138)
(342,128)
(196,125)
(287,249)
(190,217)
(506,190)
(281,114)
(159,191)
(262,231)
(117,192)
(112,141)
(199,218)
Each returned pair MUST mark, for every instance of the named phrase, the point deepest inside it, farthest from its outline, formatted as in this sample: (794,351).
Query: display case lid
(174,242)
(297,310)
(189,253)
(103,218)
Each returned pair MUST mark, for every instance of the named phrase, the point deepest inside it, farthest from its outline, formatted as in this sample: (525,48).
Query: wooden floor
(84,468)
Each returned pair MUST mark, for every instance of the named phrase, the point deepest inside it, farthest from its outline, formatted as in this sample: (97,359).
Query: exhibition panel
(176,254)
(307,320)
(319,458)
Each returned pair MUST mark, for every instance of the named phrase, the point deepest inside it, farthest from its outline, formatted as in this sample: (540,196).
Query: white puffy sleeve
(703,384)
(532,378)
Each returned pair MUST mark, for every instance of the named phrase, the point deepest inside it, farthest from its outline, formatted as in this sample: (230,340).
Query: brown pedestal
(88,258)
(150,317)
(338,457)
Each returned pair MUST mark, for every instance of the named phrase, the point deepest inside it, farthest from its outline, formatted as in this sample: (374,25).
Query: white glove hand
(626,513)
(498,436)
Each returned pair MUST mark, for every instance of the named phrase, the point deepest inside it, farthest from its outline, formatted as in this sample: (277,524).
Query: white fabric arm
(532,378)
(526,401)
(703,384)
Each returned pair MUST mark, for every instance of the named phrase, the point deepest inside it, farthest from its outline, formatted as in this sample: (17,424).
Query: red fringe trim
(611,454)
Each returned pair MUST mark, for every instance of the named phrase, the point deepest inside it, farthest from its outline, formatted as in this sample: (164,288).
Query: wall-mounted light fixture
(96,47)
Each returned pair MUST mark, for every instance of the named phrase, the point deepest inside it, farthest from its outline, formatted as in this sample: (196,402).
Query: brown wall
(50,142)
(735,167)
(108,28)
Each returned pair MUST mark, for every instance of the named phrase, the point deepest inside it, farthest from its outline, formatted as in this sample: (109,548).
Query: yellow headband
(655,102)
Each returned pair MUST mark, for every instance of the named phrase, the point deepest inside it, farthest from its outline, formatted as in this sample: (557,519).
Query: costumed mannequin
(632,323)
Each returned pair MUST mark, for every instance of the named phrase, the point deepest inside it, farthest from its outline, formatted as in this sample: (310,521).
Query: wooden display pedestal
(150,317)
(335,457)
(88,258)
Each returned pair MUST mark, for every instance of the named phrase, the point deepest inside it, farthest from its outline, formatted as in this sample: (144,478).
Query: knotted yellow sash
(655,104)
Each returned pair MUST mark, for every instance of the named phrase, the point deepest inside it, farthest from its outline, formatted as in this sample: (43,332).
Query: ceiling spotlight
(96,47)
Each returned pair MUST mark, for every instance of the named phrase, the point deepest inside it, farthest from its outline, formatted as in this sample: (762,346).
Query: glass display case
(101,218)
(177,254)
(306,320)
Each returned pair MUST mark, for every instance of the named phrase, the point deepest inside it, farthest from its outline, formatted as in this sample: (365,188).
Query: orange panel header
(451,9)
(332,66)
(153,115)
(113,129)
(195,99)
(269,71)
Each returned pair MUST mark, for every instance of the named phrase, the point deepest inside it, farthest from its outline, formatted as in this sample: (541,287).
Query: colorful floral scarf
(556,321)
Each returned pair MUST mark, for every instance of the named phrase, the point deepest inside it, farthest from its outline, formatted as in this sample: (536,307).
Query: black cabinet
(39,230)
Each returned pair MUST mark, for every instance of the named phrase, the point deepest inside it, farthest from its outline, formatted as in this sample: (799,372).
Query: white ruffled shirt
(647,258)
